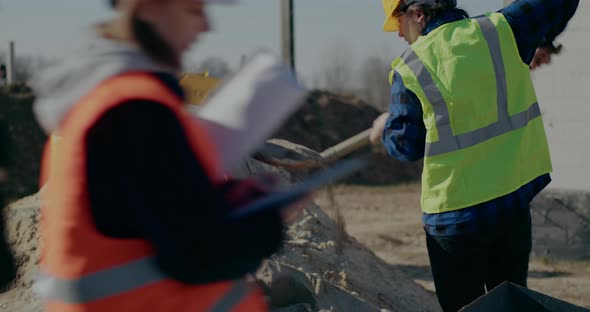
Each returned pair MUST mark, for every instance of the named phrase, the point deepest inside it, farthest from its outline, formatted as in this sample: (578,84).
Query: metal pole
(287,30)
(10,65)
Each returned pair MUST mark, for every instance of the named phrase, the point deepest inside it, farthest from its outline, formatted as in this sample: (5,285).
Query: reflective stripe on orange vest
(118,280)
(99,285)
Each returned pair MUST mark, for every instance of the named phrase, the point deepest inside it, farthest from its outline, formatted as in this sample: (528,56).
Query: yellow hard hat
(391,23)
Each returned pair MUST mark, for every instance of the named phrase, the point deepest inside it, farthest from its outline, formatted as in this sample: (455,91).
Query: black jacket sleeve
(145,182)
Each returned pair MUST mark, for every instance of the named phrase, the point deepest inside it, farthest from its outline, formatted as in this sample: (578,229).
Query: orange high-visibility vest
(83,270)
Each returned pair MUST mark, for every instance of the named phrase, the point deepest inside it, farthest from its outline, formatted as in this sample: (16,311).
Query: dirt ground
(386,219)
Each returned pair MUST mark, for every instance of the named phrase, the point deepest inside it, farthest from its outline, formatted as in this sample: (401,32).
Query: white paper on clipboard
(249,107)
(282,198)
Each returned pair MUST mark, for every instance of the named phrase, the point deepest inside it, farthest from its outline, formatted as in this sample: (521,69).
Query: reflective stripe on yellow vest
(118,280)
(485,135)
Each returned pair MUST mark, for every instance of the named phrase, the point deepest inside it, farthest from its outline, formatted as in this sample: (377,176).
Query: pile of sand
(319,268)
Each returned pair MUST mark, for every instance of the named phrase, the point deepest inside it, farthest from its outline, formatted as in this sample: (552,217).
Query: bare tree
(316,81)
(338,70)
(26,66)
(376,88)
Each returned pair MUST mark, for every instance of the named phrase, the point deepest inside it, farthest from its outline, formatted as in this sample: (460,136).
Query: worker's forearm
(404,147)
(404,133)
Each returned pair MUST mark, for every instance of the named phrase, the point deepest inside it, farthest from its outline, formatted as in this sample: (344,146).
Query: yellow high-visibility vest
(485,135)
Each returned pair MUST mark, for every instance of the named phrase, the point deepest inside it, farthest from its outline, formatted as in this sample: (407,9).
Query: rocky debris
(327,269)
(561,225)
(331,271)
(22,233)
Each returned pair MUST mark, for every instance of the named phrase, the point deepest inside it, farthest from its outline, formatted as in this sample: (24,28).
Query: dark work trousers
(464,266)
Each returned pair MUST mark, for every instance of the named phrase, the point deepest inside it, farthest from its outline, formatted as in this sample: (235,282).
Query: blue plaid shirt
(534,23)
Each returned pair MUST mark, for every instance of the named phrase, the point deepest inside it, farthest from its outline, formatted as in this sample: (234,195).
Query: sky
(323,28)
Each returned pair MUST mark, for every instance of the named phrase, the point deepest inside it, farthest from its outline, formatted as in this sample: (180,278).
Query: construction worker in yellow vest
(462,98)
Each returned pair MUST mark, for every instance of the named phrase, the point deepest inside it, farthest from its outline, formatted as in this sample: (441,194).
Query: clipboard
(249,107)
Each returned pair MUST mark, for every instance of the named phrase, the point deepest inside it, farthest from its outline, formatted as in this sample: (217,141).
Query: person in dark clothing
(144,180)
(475,197)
